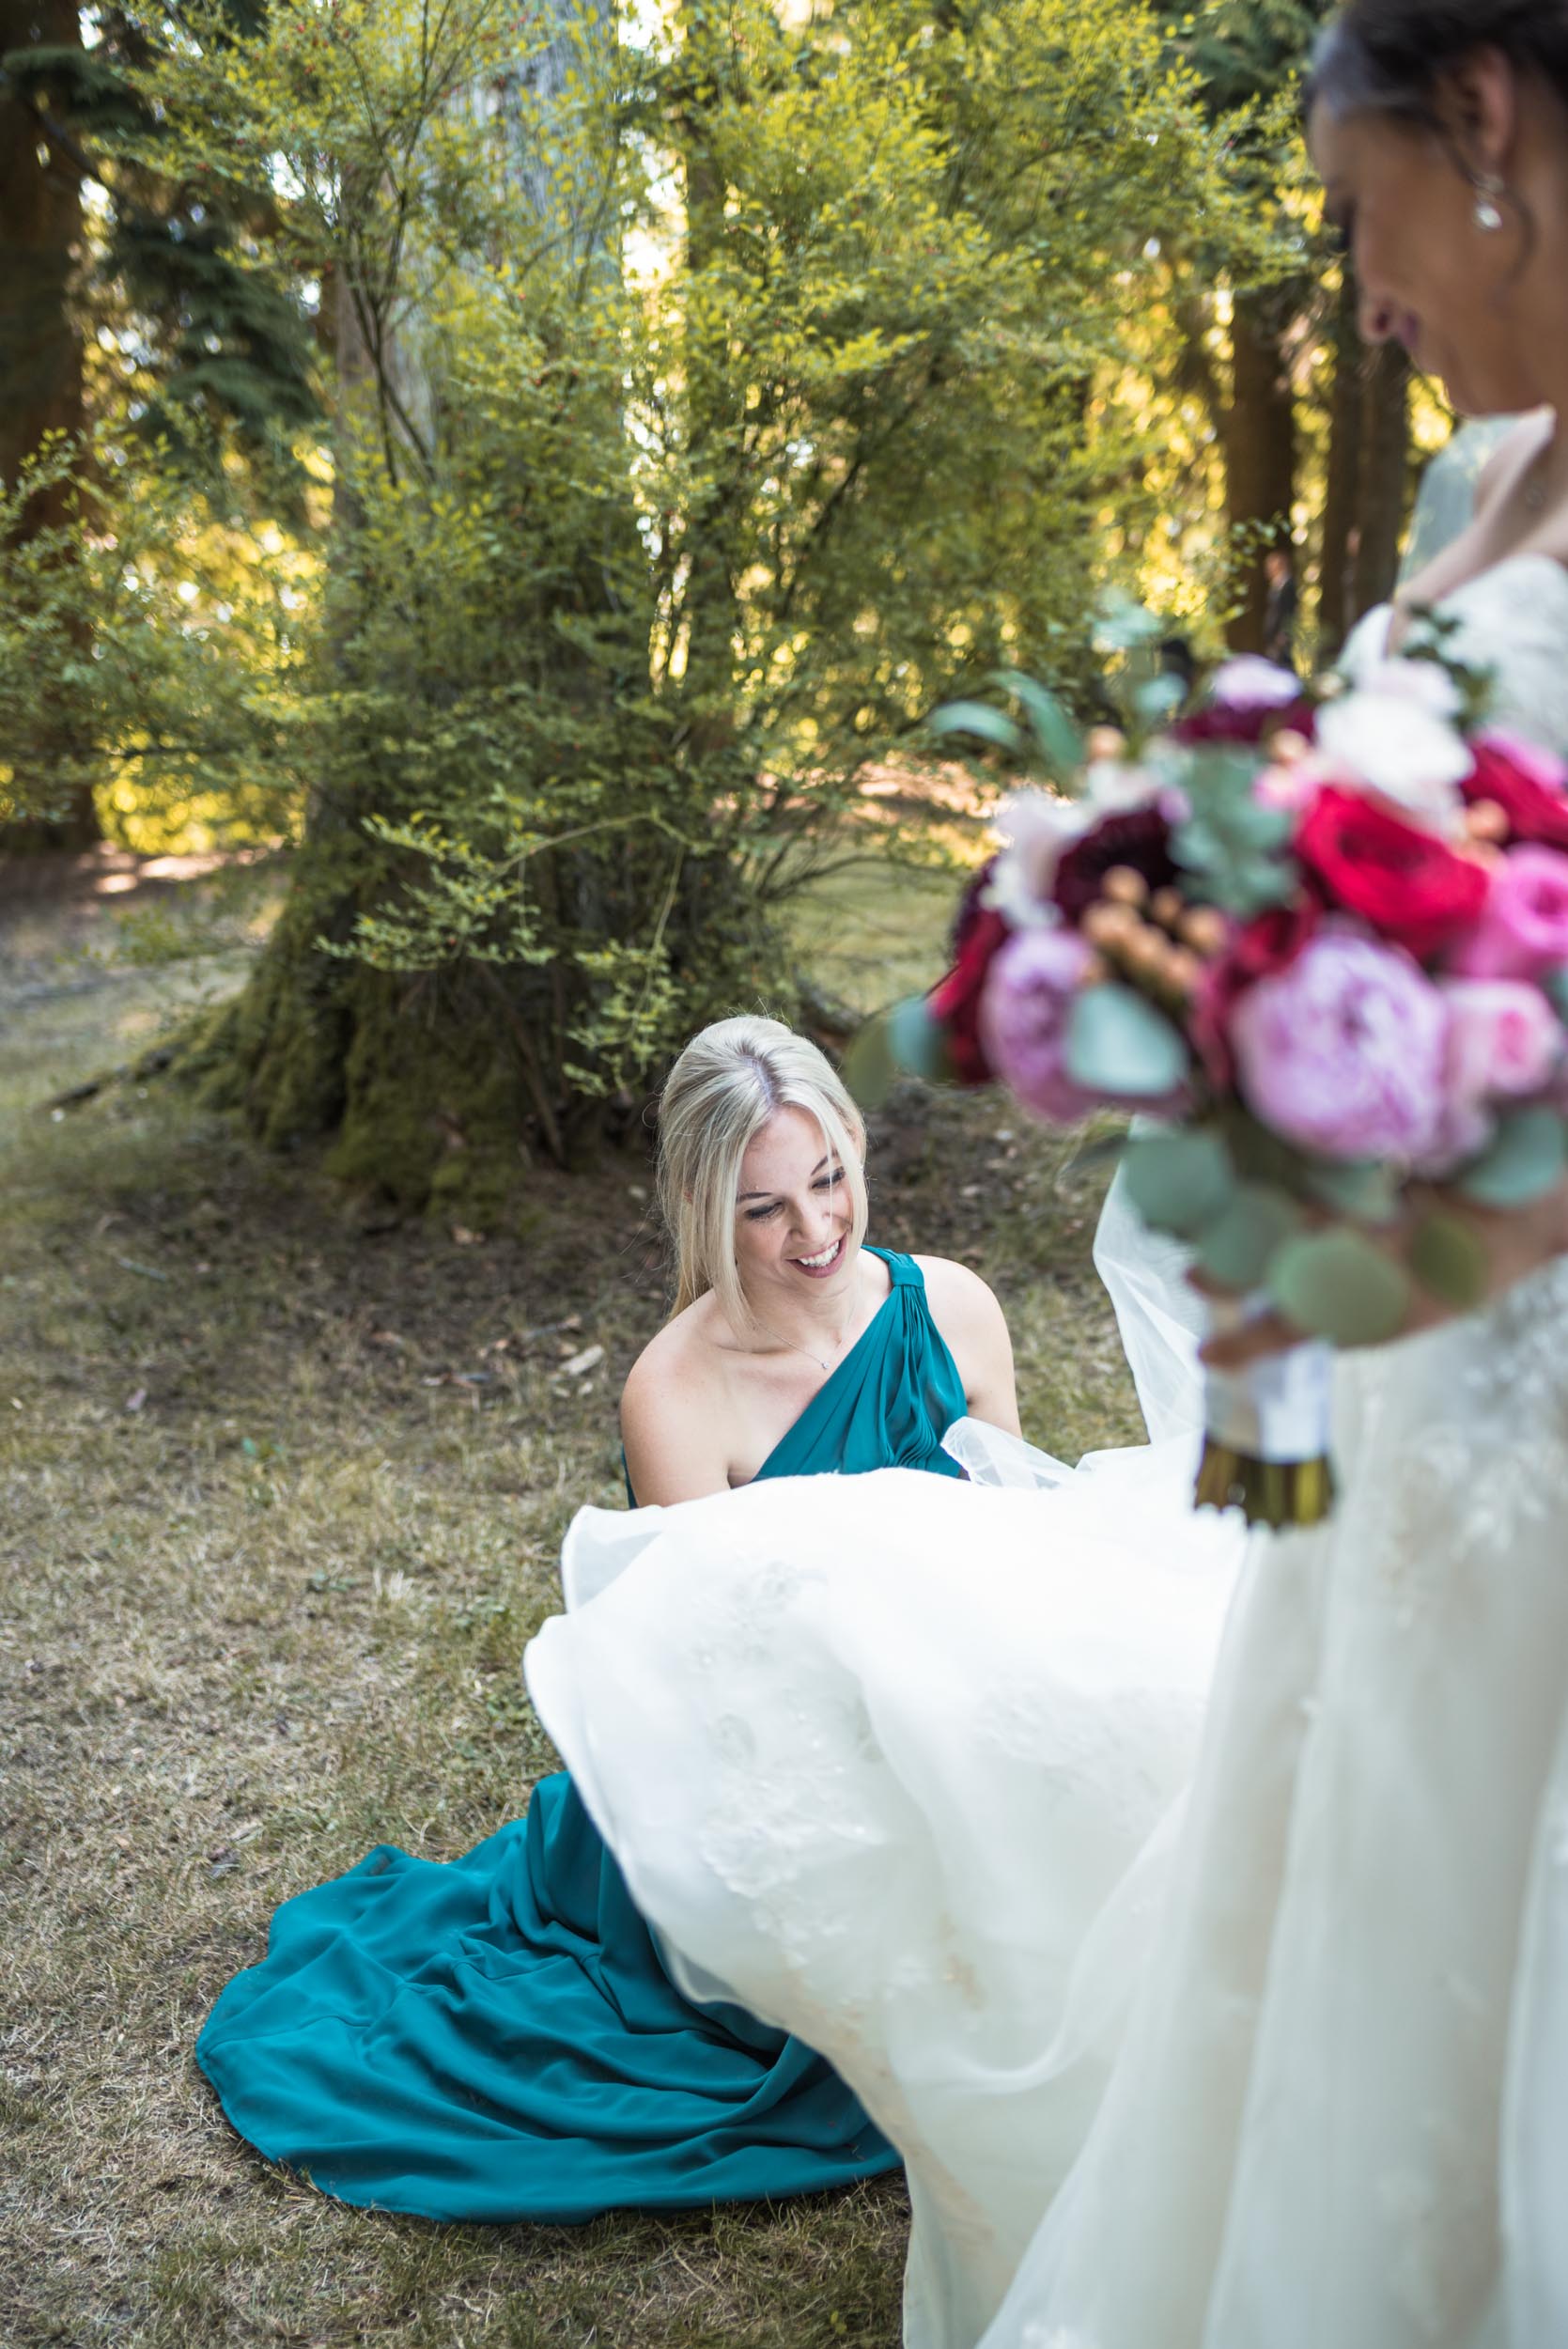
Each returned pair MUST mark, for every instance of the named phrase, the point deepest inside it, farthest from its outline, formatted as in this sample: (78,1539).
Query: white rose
(1420,681)
(1112,789)
(1394,743)
(1037,830)
(1249,682)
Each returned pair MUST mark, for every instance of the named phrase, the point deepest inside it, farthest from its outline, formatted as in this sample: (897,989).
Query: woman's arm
(674,1427)
(974,1330)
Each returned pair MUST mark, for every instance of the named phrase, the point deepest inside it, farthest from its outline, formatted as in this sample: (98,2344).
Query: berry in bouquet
(1315,943)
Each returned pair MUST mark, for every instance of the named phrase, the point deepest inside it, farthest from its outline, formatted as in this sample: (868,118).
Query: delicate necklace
(792,1347)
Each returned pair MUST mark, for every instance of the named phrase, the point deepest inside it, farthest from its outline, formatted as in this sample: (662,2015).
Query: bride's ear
(1478,114)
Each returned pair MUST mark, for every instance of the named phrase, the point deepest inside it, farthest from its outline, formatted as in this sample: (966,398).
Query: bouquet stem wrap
(1265,1447)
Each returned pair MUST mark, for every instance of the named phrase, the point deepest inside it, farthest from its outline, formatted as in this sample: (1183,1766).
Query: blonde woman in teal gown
(497,2037)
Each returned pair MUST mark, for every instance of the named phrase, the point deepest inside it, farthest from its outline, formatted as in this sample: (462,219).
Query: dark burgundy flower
(1247,723)
(978,934)
(1140,838)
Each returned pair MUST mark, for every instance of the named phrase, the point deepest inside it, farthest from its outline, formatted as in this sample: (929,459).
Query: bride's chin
(1477,401)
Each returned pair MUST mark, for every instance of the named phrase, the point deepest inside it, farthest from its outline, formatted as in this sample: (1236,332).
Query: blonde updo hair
(720,1095)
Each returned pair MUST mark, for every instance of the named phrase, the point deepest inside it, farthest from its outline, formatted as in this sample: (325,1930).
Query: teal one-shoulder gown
(496,2037)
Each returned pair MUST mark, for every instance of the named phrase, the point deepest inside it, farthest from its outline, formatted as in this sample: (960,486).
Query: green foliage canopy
(705,407)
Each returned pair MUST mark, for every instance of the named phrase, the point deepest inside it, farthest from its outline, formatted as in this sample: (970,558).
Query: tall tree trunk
(1384,488)
(1260,449)
(1336,605)
(40,350)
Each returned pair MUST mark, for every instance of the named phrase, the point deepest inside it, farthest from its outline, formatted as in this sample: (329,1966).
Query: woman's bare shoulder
(957,1289)
(678,1359)
(677,1411)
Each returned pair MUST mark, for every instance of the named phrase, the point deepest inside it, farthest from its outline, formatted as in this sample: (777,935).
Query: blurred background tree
(130,299)
(544,463)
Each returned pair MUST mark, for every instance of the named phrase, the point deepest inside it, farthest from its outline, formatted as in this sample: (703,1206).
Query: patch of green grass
(280,1504)
(875,931)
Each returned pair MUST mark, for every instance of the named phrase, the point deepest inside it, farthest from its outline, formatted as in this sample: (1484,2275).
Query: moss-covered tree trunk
(40,349)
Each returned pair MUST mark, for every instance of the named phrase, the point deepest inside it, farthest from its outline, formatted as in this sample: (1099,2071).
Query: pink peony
(1029,991)
(1342,1053)
(1504,1039)
(1505,1042)
(1524,929)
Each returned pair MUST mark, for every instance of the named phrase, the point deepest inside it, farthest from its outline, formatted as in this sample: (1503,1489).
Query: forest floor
(282,1484)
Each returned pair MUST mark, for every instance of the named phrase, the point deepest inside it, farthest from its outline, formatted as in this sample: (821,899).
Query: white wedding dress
(1279,2063)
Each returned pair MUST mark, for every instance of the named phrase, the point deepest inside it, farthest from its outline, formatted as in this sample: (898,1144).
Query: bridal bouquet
(1322,941)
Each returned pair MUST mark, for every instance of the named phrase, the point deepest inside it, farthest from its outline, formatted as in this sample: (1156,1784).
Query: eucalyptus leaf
(1340,1285)
(1118,1043)
(1123,626)
(1239,1246)
(1555,987)
(1061,745)
(869,1069)
(1178,1182)
(1366,1189)
(1198,843)
(1258,1153)
(1253,826)
(1447,1256)
(978,718)
(917,1042)
(1237,883)
(1104,1150)
(1159,699)
(1529,1156)
(1231,844)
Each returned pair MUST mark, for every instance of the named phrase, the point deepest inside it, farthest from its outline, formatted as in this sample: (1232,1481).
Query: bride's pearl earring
(1488,211)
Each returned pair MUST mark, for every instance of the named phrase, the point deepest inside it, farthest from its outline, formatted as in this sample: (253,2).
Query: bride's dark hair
(1390,56)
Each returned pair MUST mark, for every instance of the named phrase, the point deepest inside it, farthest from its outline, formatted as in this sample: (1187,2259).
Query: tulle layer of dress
(896,1759)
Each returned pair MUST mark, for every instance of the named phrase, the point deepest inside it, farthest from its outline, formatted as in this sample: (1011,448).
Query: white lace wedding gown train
(1283,2068)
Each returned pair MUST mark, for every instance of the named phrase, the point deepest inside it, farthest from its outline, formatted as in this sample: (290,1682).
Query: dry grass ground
(279,1497)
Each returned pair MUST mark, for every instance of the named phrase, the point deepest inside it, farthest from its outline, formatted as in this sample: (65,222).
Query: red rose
(1260,948)
(1522,783)
(978,933)
(1141,838)
(1412,889)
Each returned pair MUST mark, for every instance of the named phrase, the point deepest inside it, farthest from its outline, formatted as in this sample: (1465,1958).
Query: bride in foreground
(1298,2073)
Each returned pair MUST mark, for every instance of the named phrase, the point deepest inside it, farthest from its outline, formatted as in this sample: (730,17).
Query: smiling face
(1461,297)
(795,1215)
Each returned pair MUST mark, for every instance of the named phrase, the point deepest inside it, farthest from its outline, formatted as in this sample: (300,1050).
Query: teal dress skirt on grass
(496,2037)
